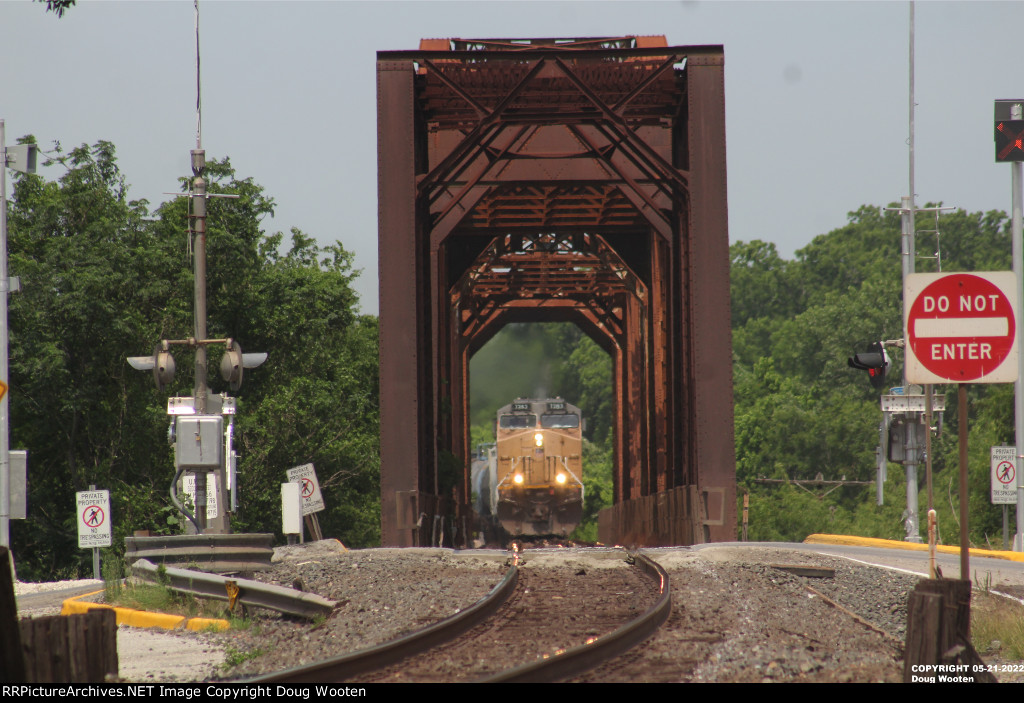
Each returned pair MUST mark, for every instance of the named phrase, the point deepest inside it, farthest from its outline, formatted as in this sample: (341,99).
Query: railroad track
(558,627)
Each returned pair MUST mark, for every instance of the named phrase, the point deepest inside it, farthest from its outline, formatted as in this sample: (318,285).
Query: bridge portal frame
(622,137)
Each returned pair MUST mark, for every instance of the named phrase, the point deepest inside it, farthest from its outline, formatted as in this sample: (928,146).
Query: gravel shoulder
(382,594)
(736,618)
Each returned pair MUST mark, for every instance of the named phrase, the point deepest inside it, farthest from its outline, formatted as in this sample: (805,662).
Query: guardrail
(246,591)
(240,552)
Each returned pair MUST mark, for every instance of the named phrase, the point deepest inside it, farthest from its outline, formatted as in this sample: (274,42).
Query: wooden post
(12,663)
(746,513)
(965,569)
(939,632)
(924,616)
(313,525)
(70,648)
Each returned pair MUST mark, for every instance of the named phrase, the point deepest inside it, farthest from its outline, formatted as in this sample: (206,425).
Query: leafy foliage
(103,279)
(58,7)
(799,410)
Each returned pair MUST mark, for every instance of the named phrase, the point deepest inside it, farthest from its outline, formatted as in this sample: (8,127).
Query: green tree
(58,7)
(94,289)
(759,282)
(315,399)
(800,411)
(102,279)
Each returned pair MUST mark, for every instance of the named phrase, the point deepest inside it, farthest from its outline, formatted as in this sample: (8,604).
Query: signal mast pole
(1009,135)
(913,532)
(1017,185)
(202,418)
(915,410)
(198,204)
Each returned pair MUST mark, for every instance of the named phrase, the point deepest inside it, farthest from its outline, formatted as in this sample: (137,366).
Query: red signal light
(875,361)
(1009,138)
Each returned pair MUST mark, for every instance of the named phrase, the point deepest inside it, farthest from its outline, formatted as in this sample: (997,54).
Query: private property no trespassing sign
(961,327)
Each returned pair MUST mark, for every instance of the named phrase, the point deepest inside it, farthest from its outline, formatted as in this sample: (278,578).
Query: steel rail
(350,665)
(575,661)
(254,593)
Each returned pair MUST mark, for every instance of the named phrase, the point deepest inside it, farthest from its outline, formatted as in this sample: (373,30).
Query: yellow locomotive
(534,471)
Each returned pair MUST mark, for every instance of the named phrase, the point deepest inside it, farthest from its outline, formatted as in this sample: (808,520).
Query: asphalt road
(983,569)
(49,602)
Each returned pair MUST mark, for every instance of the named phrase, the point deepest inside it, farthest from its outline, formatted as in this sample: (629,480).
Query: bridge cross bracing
(578,180)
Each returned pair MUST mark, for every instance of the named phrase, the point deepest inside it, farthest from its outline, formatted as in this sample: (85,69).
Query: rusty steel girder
(578,180)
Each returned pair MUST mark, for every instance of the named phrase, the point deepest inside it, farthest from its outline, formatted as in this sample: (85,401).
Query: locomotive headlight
(560,478)
(539,439)
(517,479)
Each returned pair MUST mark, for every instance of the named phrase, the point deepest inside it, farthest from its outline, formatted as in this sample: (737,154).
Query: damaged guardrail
(245,591)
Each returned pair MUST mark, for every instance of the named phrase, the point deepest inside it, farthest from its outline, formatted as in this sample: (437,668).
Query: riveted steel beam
(523,155)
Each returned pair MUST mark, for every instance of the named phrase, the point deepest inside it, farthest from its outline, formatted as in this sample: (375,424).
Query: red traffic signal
(1010,140)
(875,361)
(1009,133)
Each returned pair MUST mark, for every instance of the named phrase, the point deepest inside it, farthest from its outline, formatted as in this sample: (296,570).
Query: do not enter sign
(961,327)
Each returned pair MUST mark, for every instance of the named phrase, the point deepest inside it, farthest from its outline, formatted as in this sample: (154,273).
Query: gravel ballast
(736,617)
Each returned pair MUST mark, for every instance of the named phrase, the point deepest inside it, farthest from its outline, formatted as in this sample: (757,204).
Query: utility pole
(5,464)
(913,532)
(908,411)
(19,158)
(1009,131)
(911,443)
(201,425)
(1017,186)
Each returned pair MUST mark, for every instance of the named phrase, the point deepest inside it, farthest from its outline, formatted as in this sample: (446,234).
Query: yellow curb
(851,540)
(199,624)
(142,618)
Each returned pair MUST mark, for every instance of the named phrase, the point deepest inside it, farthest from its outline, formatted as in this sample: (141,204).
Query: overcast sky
(817,97)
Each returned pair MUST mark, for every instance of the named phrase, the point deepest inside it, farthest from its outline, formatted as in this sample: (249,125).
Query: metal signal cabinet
(199,441)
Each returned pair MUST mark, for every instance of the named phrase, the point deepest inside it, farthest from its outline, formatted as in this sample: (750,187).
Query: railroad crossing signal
(161,363)
(875,361)
(234,362)
(1009,132)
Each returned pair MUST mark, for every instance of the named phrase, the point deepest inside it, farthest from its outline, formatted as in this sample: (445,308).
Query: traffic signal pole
(5,467)
(1017,185)
(912,523)
(22,159)
(913,532)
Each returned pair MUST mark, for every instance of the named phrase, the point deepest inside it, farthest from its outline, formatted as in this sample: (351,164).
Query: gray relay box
(198,440)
